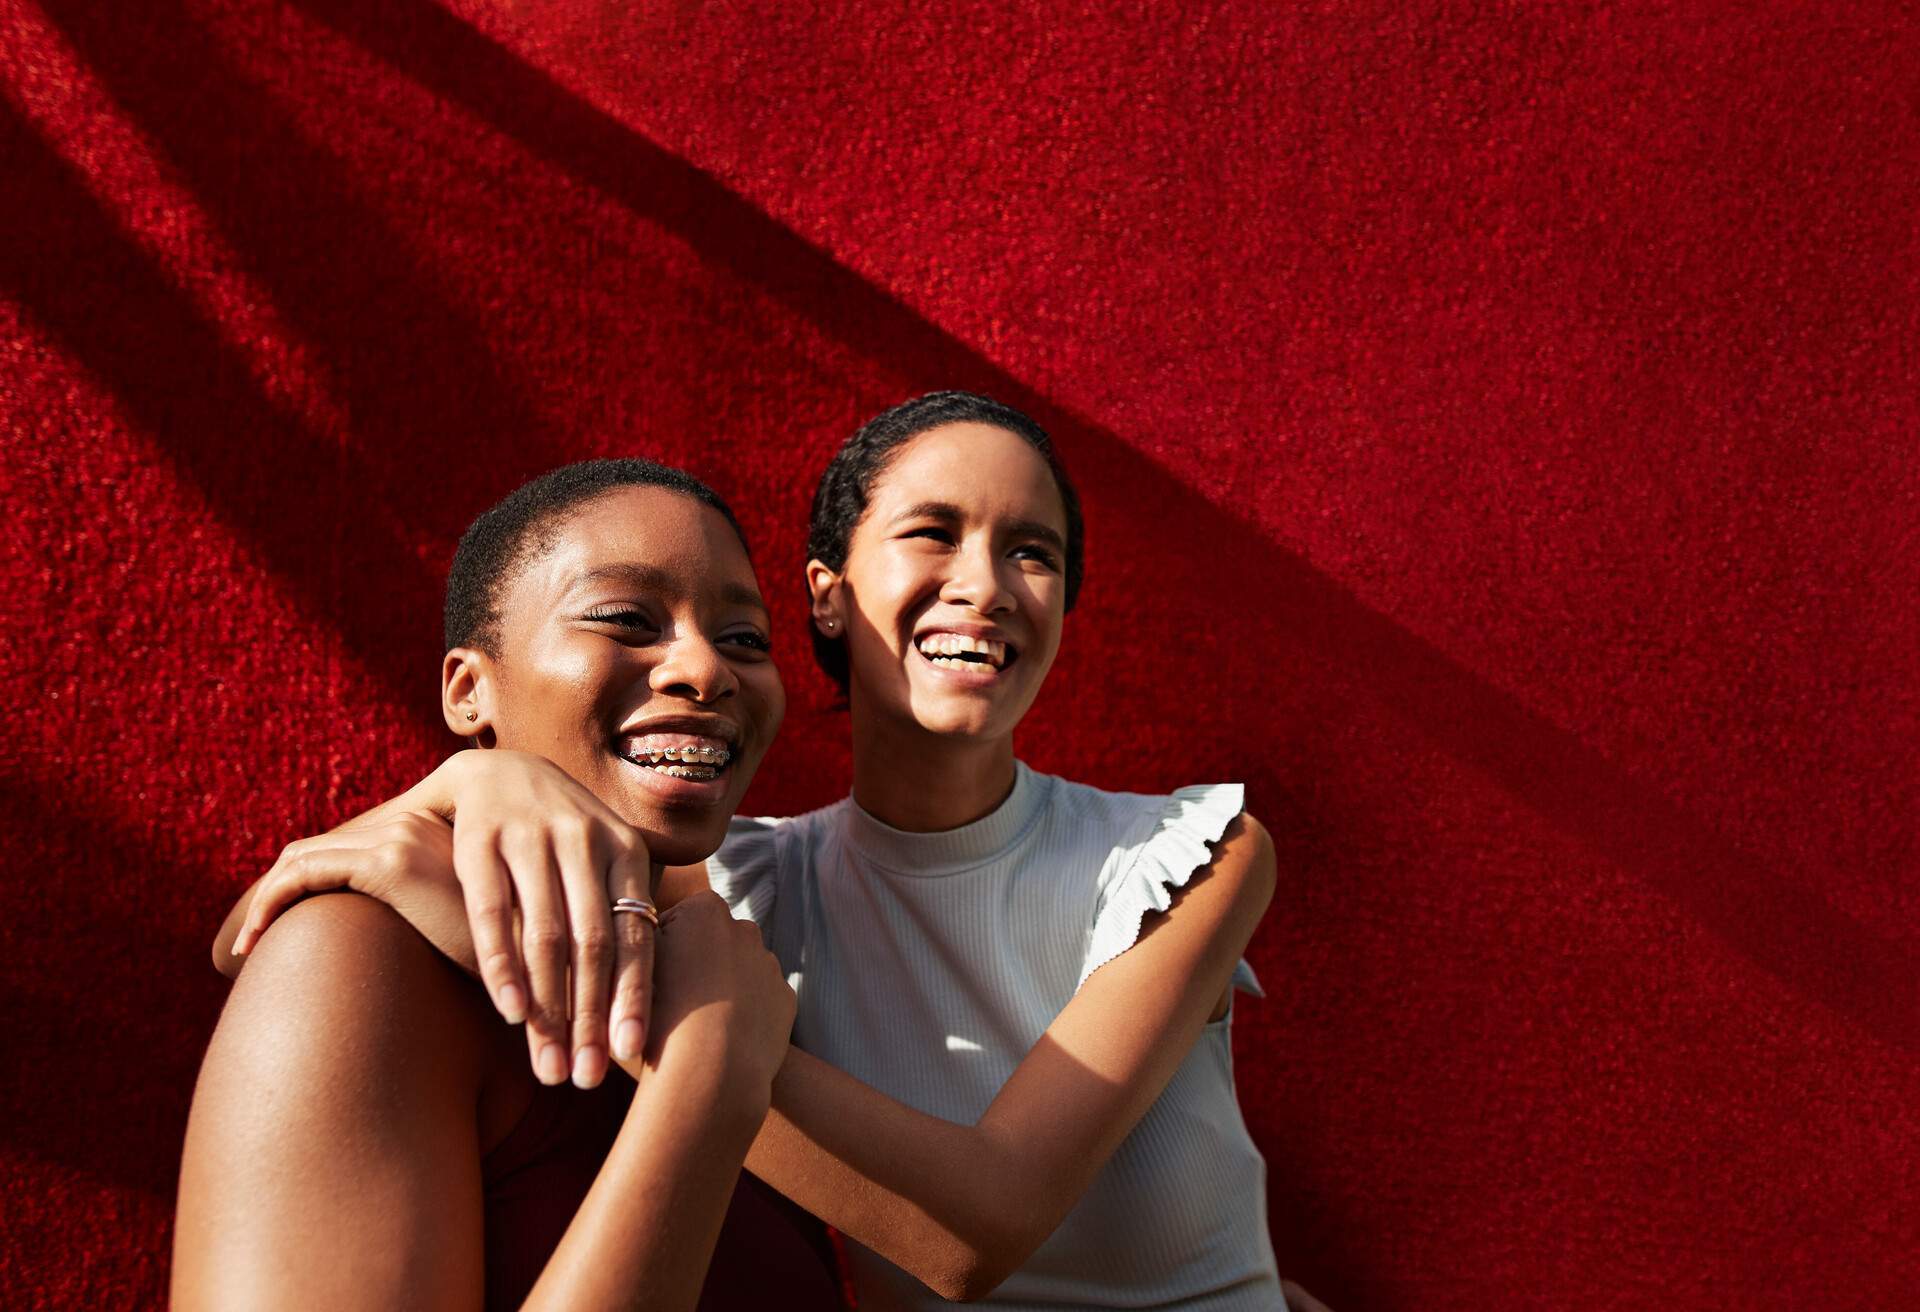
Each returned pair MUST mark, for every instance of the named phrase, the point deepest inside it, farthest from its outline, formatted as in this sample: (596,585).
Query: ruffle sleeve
(745,871)
(1144,876)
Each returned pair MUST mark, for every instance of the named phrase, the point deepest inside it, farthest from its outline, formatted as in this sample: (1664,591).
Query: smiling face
(633,653)
(953,593)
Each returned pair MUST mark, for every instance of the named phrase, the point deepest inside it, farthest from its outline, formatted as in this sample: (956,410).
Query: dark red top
(770,1252)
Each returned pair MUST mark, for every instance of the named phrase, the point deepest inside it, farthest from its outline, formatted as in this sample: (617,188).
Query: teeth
(936,645)
(714,756)
(687,762)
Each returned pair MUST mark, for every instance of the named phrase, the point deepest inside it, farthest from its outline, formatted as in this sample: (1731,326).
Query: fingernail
(513,1003)
(552,1067)
(589,1064)
(626,1039)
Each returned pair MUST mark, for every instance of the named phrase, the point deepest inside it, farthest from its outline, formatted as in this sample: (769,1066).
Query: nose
(693,668)
(974,579)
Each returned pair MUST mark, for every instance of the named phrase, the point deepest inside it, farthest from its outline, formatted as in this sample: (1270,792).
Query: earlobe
(824,585)
(466,691)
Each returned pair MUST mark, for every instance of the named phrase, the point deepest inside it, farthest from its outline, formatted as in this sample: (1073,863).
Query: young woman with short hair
(1011,1078)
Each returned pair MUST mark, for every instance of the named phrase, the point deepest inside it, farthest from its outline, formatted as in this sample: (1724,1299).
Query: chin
(985,714)
(683,821)
(970,722)
(675,836)
(678,836)
(673,841)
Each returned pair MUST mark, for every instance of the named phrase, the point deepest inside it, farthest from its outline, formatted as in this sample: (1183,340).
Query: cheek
(768,699)
(1046,604)
(895,585)
(871,652)
(558,700)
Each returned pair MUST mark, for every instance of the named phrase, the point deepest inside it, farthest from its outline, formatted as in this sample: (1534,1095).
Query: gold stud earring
(472,716)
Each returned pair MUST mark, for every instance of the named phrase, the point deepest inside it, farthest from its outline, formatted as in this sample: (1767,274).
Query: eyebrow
(948,513)
(654,579)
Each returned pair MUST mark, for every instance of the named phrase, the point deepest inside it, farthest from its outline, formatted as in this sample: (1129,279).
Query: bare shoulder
(1244,868)
(1226,898)
(1248,846)
(342,979)
(332,1144)
(340,938)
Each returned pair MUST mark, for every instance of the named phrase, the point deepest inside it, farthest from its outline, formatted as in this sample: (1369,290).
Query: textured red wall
(1498,434)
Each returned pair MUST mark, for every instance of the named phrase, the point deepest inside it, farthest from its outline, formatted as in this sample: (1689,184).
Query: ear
(466,693)
(824,586)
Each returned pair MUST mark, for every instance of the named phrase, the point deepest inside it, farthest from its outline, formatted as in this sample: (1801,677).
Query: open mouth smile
(964,653)
(681,762)
(677,763)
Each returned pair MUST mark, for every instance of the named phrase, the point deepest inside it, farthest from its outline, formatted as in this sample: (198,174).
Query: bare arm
(332,1155)
(401,858)
(500,828)
(646,1232)
(432,798)
(962,1206)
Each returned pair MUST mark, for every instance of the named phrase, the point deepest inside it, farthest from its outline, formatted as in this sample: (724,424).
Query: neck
(924,782)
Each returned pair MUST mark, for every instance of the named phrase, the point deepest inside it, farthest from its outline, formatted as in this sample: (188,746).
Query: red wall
(1498,435)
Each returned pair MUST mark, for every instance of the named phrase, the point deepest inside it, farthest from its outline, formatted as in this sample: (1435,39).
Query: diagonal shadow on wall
(419,379)
(69,263)
(116,1003)
(1783,927)
(297,500)
(422,386)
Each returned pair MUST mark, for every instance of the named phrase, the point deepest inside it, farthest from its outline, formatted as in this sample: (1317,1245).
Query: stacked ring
(638,906)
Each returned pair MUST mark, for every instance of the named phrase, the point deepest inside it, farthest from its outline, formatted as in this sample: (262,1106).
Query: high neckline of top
(950,851)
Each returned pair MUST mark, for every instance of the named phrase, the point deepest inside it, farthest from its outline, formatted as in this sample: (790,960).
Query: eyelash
(1040,554)
(628,618)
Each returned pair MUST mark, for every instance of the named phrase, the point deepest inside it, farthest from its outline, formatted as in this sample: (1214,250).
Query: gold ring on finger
(638,906)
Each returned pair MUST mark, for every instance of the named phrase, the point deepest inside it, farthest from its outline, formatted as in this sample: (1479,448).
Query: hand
(524,834)
(719,992)
(404,859)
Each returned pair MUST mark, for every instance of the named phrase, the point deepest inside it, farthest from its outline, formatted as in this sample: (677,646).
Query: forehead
(687,546)
(981,468)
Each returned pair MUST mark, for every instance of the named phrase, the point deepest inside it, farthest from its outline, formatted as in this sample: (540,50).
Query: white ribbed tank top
(927,965)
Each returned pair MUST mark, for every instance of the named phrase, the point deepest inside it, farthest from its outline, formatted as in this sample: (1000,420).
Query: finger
(261,912)
(633,944)
(293,876)
(588,916)
(486,886)
(544,940)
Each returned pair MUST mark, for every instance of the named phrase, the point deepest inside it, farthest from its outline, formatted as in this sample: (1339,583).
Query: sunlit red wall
(1498,433)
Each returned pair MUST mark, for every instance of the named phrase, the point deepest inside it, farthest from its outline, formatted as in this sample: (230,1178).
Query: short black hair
(522,525)
(840,501)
